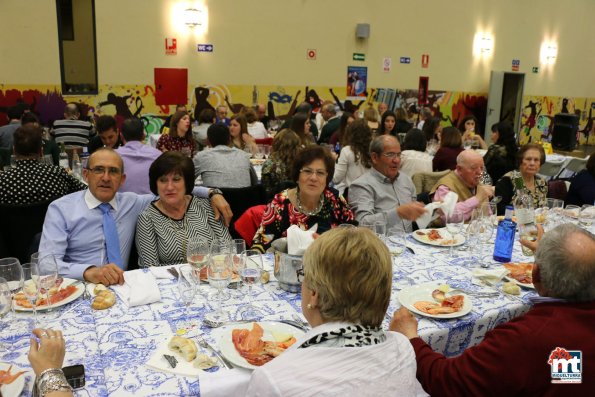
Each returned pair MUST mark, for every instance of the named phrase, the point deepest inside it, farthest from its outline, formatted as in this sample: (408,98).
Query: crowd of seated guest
(354,159)
(451,144)
(414,158)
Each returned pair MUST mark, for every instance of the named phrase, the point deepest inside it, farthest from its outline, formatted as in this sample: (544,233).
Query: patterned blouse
(177,144)
(161,240)
(272,173)
(34,182)
(512,184)
(280,214)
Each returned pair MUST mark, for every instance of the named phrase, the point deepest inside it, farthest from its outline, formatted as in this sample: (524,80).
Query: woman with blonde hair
(371,118)
(277,168)
(346,288)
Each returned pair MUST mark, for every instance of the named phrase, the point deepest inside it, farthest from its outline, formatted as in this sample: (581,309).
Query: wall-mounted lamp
(486,45)
(192,17)
(548,53)
(483,45)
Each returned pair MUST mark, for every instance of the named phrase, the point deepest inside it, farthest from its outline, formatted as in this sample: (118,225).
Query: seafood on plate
(254,350)
(7,378)
(442,304)
(431,235)
(55,297)
(521,272)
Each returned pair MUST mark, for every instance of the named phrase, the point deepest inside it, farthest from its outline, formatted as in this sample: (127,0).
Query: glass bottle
(505,237)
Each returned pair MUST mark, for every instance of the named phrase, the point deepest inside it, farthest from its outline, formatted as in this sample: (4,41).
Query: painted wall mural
(125,101)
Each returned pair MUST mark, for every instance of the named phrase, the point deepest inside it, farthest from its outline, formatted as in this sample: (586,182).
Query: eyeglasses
(299,273)
(392,155)
(309,172)
(99,170)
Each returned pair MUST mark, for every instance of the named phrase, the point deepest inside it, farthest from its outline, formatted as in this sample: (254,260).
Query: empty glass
(220,272)
(380,229)
(187,289)
(5,301)
(395,241)
(31,288)
(197,254)
(251,272)
(586,216)
(454,225)
(12,272)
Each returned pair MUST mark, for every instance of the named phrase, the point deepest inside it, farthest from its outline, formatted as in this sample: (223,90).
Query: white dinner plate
(524,285)
(80,288)
(423,292)
(15,388)
(423,238)
(229,351)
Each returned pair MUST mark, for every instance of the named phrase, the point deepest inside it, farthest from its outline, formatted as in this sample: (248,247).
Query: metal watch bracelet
(52,380)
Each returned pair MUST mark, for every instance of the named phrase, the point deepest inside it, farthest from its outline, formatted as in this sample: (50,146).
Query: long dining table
(114,345)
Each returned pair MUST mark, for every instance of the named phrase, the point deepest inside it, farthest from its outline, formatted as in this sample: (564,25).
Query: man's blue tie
(112,241)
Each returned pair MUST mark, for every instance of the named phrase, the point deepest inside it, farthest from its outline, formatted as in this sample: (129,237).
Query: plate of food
(12,380)
(438,237)
(252,345)
(520,273)
(65,291)
(435,301)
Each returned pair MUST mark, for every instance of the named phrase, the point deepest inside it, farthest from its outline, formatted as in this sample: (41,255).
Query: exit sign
(359,57)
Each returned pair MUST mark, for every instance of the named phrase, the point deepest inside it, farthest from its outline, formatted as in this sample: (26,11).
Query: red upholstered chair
(248,223)
(264,141)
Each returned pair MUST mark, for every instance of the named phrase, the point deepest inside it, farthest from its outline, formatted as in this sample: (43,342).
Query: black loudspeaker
(564,132)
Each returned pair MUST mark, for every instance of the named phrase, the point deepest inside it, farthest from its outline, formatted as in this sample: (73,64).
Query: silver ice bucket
(286,267)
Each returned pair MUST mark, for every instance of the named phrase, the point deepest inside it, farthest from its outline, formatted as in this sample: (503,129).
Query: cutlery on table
(205,345)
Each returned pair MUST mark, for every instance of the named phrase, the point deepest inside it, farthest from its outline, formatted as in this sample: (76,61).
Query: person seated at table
(32,181)
(91,232)
(582,186)
(276,169)
(354,159)
(514,359)
(240,138)
(432,129)
(346,289)
(165,227)
(414,158)
(339,136)
(167,122)
(387,124)
(311,202)
(464,181)
(222,165)
(256,129)
(179,137)
(206,118)
(469,127)
(501,155)
(383,194)
(525,180)
(46,357)
(371,118)
(332,122)
(300,124)
(450,147)
(107,134)
(402,125)
(49,147)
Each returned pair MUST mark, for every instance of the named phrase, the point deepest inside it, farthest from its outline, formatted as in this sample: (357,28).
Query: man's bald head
(467,157)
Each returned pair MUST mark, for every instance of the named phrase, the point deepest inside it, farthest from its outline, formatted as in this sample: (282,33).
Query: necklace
(305,211)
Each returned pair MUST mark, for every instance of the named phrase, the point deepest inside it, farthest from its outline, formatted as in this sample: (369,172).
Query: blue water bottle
(505,237)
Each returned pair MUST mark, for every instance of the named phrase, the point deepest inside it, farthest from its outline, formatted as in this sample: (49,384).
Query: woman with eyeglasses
(311,202)
(346,290)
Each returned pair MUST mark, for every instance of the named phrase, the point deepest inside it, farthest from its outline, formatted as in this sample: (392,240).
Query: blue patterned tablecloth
(115,344)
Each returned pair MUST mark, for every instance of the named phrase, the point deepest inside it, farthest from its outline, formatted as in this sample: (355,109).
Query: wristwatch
(214,191)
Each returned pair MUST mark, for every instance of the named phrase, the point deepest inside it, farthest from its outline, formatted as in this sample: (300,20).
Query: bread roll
(511,288)
(103,300)
(185,347)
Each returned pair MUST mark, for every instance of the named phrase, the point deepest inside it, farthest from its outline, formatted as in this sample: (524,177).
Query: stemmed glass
(48,274)
(238,246)
(485,229)
(454,225)
(12,272)
(395,241)
(31,287)
(251,271)
(219,271)
(197,254)
(586,216)
(5,301)
(187,290)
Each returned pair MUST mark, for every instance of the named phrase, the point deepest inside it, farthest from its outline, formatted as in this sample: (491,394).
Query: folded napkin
(447,205)
(161,272)
(299,240)
(224,383)
(140,288)
(492,275)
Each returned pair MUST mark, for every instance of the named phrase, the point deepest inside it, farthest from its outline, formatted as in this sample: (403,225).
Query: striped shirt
(73,132)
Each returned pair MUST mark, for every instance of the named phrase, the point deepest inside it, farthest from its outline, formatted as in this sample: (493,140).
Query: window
(78,53)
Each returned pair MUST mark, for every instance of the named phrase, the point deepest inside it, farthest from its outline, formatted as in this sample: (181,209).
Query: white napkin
(493,275)
(140,288)
(299,240)
(161,272)
(183,368)
(224,383)
(447,205)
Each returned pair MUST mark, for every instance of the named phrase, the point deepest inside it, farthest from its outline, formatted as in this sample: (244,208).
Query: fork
(205,345)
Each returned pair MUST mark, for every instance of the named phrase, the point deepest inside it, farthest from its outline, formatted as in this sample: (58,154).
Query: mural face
(451,107)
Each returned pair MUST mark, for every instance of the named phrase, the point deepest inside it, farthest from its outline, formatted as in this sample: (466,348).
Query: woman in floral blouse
(524,181)
(311,202)
(180,137)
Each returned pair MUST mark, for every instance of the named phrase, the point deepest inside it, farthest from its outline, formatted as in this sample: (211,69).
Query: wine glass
(187,290)
(586,216)
(238,246)
(48,274)
(251,271)
(219,248)
(31,287)
(485,178)
(12,272)
(197,254)
(485,229)
(5,301)
(219,271)
(454,225)
(395,241)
